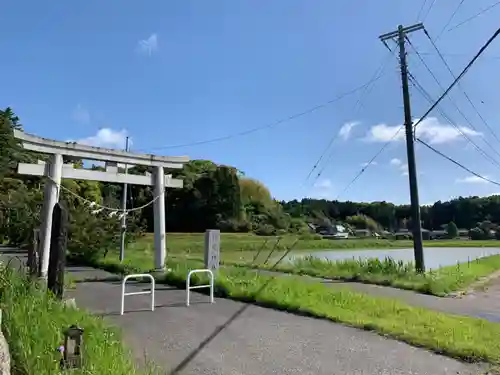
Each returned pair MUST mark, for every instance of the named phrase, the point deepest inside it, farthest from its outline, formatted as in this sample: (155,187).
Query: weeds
(33,323)
(394,273)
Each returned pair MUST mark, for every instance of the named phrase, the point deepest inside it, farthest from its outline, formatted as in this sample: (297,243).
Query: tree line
(213,196)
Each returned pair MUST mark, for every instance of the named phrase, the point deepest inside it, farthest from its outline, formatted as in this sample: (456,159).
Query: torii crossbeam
(56,170)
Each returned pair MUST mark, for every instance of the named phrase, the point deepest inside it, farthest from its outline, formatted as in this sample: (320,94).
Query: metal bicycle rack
(189,287)
(151,291)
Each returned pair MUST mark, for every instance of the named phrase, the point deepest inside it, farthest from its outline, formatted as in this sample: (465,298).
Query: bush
(265,230)
(310,236)
(452,230)
(476,234)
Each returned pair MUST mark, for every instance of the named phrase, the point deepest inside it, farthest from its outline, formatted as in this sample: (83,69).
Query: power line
(450,19)
(357,106)
(457,55)
(365,167)
(270,125)
(428,10)
(427,96)
(474,16)
(461,88)
(421,9)
(464,71)
(459,111)
(457,163)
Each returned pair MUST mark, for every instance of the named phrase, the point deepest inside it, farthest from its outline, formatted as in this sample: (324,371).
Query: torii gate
(56,170)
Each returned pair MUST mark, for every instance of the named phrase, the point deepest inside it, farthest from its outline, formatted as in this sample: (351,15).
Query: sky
(223,80)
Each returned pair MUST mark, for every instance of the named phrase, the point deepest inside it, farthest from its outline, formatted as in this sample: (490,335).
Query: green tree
(452,230)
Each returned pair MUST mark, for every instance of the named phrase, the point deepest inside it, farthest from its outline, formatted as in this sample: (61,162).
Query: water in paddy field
(435,257)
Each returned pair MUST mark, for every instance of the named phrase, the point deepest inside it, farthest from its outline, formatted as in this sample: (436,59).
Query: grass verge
(389,272)
(193,243)
(33,323)
(465,338)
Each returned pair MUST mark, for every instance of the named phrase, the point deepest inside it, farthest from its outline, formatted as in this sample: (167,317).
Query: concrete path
(230,338)
(483,304)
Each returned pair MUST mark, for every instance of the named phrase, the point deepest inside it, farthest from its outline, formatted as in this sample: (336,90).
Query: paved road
(230,338)
(199,340)
(480,304)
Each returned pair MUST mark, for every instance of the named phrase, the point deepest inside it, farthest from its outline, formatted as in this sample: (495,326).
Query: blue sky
(170,73)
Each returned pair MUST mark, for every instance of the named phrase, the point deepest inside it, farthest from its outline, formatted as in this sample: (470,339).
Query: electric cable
(450,19)
(457,108)
(463,90)
(456,162)
(464,71)
(428,11)
(427,96)
(365,167)
(421,9)
(475,16)
(379,72)
(267,126)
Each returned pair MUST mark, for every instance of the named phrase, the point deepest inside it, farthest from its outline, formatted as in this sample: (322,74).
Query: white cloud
(323,184)
(367,164)
(472,180)
(81,115)
(430,130)
(106,137)
(345,130)
(323,189)
(395,162)
(398,164)
(148,46)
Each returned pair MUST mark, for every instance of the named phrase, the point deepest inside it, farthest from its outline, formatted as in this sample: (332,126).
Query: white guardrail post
(136,276)
(189,287)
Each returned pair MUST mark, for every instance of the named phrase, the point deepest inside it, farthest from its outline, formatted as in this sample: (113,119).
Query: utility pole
(124,210)
(418,249)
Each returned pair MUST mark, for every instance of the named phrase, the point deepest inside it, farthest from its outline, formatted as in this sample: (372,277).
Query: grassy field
(33,325)
(388,272)
(247,247)
(251,251)
(461,337)
(194,242)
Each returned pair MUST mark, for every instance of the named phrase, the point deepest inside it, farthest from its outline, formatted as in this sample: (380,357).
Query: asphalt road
(208,339)
(230,338)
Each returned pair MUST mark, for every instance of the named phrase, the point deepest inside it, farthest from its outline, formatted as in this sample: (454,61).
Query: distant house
(340,232)
(463,233)
(443,234)
(336,231)
(405,234)
(363,232)
(439,234)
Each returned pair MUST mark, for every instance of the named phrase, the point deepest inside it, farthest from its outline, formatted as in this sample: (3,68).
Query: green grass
(438,282)
(193,243)
(389,272)
(33,323)
(460,337)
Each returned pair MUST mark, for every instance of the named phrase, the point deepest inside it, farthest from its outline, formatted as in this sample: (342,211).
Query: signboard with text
(212,249)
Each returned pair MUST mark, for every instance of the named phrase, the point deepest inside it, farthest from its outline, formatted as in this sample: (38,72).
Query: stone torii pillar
(56,171)
(159,213)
